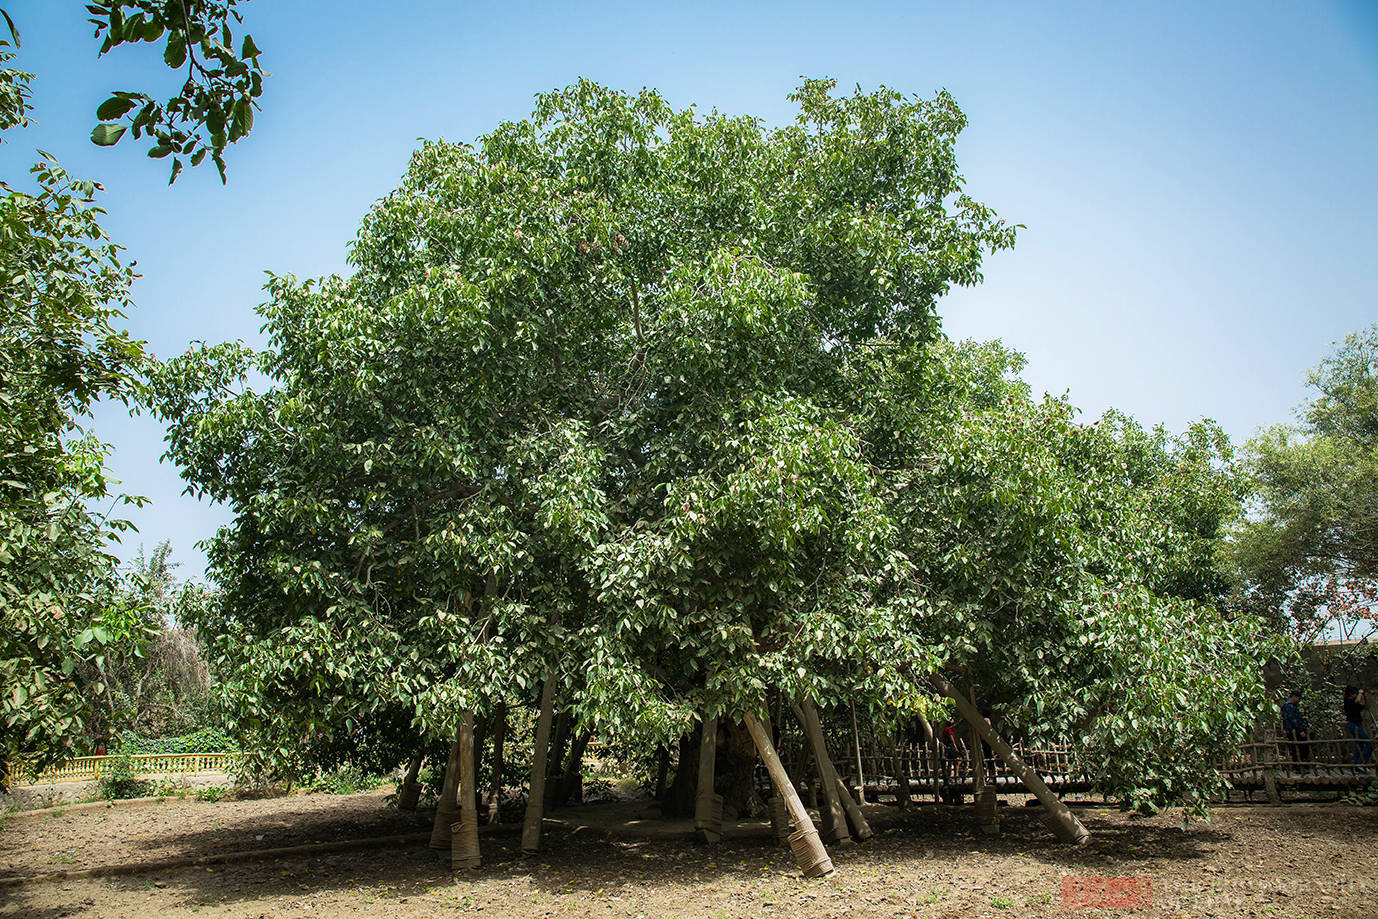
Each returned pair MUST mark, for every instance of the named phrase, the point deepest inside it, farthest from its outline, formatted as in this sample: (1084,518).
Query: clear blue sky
(1199,180)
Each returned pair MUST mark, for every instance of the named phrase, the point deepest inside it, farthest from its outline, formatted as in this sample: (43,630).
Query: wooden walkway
(933,774)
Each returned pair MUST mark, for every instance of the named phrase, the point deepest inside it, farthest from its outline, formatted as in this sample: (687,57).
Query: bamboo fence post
(464,849)
(1056,815)
(535,797)
(809,851)
(707,803)
(499,736)
(445,807)
(830,815)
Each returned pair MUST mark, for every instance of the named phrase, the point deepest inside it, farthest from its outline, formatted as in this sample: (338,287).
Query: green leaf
(107,135)
(159,151)
(175,54)
(249,49)
(115,107)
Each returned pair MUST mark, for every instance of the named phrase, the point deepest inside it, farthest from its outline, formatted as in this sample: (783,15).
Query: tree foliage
(214,106)
(659,399)
(1310,550)
(63,289)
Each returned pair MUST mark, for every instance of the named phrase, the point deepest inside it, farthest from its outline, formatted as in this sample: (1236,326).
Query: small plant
(1002,902)
(345,779)
(118,779)
(171,788)
(1366,798)
(1040,899)
(210,792)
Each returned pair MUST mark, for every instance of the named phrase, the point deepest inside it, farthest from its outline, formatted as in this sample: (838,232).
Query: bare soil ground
(1297,861)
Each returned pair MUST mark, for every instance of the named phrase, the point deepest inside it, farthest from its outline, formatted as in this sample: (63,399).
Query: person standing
(1297,729)
(1355,701)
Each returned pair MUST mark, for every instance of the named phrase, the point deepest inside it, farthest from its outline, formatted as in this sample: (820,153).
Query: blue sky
(1199,180)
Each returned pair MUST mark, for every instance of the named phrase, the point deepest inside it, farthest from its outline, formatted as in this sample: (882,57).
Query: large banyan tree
(651,410)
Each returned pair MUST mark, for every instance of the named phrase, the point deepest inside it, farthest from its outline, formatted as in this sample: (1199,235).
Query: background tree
(63,289)
(1308,554)
(160,687)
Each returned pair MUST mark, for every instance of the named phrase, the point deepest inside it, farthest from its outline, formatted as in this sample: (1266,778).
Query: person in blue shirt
(1295,726)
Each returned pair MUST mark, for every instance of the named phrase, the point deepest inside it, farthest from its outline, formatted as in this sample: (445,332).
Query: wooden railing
(146,765)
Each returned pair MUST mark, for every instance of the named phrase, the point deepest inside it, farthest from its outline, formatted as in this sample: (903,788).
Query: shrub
(210,792)
(1365,798)
(118,780)
(345,779)
(206,740)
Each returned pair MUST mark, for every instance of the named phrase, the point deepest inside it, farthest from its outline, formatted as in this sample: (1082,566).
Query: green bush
(343,780)
(1366,798)
(210,792)
(118,780)
(206,740)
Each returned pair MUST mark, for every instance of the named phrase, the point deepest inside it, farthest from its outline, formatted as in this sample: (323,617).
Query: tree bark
(410,791)
(860,772)
(572,779)
(464,851)
(1056,815)
(662,773)
(535,798)
(556,765)
(707,804)
(495,789)
(830,814)
(809,851)
(861,829)
(446,806)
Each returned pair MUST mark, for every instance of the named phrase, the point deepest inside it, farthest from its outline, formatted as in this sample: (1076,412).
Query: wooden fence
(146,765)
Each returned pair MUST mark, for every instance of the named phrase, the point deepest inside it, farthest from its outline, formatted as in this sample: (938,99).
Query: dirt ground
(617,861)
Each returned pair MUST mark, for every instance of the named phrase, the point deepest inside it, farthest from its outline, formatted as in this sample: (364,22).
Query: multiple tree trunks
(464,848)
(831,815)
(809,852)
(1057,816)
(446,807)
(535,799)
(708,805)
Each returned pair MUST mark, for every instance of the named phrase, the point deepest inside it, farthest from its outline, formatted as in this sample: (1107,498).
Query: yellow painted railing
(146,765)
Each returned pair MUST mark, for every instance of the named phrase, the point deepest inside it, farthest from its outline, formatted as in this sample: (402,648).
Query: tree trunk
(683,790)
(860,773)
(662,773)
(556,763)
(861,829)
(499,735)
(1056,815)
(809,851)
(707,803)
(464,852)
(410,791)
(571,784)
(446,806)
(535,797)
(831,815)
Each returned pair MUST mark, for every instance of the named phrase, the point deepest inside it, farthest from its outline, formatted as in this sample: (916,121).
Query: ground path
(1302,861)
